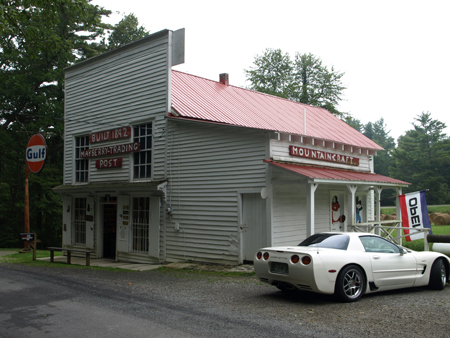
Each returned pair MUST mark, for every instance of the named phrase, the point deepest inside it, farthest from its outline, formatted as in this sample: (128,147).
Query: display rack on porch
(391,230)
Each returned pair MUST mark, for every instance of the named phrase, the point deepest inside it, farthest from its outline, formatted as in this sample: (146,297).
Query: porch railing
(391,230)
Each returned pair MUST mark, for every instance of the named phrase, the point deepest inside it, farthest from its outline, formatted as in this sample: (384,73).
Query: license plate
(279,268)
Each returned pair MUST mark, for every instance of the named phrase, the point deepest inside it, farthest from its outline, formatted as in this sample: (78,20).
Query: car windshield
(332,241)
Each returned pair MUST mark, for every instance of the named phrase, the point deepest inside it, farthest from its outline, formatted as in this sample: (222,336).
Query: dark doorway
(109,230)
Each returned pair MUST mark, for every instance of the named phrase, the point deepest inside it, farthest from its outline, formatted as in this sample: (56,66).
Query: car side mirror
(402,251)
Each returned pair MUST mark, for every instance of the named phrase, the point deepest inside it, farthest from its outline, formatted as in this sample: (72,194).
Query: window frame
(79,225)
(140,170)
(379,249)
(81,162)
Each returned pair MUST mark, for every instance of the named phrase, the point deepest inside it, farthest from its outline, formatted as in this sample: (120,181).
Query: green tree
(378,133)
(38,39)
(126,31)
(304,79)
(422,158)
(354,123)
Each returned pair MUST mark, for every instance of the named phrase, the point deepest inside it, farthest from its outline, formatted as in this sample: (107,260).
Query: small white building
(164,166)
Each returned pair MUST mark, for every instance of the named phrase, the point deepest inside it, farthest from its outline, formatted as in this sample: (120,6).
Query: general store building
(164,166)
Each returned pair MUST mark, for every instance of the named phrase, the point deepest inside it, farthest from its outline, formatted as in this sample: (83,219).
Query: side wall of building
(208,167)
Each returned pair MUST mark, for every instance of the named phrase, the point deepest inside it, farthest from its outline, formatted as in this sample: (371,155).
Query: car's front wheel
(438,275)
(350,284)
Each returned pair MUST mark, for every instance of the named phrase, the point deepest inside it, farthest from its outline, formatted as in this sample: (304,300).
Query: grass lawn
(27,259)
(437,230)
(443,210)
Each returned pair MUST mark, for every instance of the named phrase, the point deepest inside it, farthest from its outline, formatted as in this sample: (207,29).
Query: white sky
(395,54)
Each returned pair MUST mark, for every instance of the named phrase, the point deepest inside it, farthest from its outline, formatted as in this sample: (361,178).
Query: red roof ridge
(195,97)
(252,90)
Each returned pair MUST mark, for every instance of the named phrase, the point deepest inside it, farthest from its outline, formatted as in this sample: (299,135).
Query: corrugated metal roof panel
(336,174)
(203,99)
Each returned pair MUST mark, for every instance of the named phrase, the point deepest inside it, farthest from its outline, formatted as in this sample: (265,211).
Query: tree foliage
(126,31)
(38,40)
(422,158)
(304,79)
(378,133)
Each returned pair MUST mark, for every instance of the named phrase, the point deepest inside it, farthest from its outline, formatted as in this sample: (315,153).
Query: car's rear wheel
(350,284)
(438,275)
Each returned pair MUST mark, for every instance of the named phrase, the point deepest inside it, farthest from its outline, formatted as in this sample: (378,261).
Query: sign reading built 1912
(323,155)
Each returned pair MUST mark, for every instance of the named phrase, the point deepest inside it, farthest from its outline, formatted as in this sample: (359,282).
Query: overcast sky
(395,54)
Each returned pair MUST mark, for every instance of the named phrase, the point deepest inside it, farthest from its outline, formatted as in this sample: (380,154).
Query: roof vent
(223,79)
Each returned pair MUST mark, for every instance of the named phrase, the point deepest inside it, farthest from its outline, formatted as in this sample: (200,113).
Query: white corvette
(348,265)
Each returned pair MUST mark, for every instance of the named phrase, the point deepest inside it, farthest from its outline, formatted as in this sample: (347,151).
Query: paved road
(70,302)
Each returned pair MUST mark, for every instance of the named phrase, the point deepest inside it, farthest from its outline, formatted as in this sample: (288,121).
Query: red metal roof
(194,97)
(336,174)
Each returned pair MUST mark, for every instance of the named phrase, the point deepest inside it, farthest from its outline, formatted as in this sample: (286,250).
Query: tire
(438,275)
(350,284)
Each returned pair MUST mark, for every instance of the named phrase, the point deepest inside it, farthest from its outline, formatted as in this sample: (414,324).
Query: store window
(140,226)
(81,164)
(142,165)
(80,221)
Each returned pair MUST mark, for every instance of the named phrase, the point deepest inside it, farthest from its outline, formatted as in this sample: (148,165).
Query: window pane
(142,159)
(81,164)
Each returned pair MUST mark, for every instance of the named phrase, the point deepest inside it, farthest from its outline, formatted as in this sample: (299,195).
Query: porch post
(351,205)
(310,207)
(378,192)
(399,215)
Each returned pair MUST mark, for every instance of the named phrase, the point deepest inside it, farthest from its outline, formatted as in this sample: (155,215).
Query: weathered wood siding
(125,87)
(208,166)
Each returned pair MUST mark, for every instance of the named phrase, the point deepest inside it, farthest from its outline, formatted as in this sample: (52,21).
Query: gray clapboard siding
(289,209)
(123,87)
(288,214)
(207,166)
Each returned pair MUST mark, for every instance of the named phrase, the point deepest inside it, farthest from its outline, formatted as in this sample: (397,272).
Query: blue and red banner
(414,214)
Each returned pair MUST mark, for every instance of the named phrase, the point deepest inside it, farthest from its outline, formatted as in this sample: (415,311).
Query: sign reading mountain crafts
(36,153)
(111,150)
(108,135)
(323,156)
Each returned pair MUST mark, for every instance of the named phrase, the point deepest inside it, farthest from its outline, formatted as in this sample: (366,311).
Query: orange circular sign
(36,153)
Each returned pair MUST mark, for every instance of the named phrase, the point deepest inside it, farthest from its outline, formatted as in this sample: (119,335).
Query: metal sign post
(30,238)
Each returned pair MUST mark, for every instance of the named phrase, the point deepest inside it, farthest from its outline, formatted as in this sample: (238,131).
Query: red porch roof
(201,99)
(323,174)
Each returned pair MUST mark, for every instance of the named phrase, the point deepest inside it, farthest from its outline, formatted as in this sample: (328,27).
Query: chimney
(223,79)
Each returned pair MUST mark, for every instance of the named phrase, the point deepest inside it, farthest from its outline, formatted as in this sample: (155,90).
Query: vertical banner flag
(414,214)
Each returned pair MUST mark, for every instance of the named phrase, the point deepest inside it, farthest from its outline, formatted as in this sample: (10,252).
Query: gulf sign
(36,153)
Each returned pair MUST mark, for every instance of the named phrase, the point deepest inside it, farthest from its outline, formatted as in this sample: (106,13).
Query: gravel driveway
(416,312)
